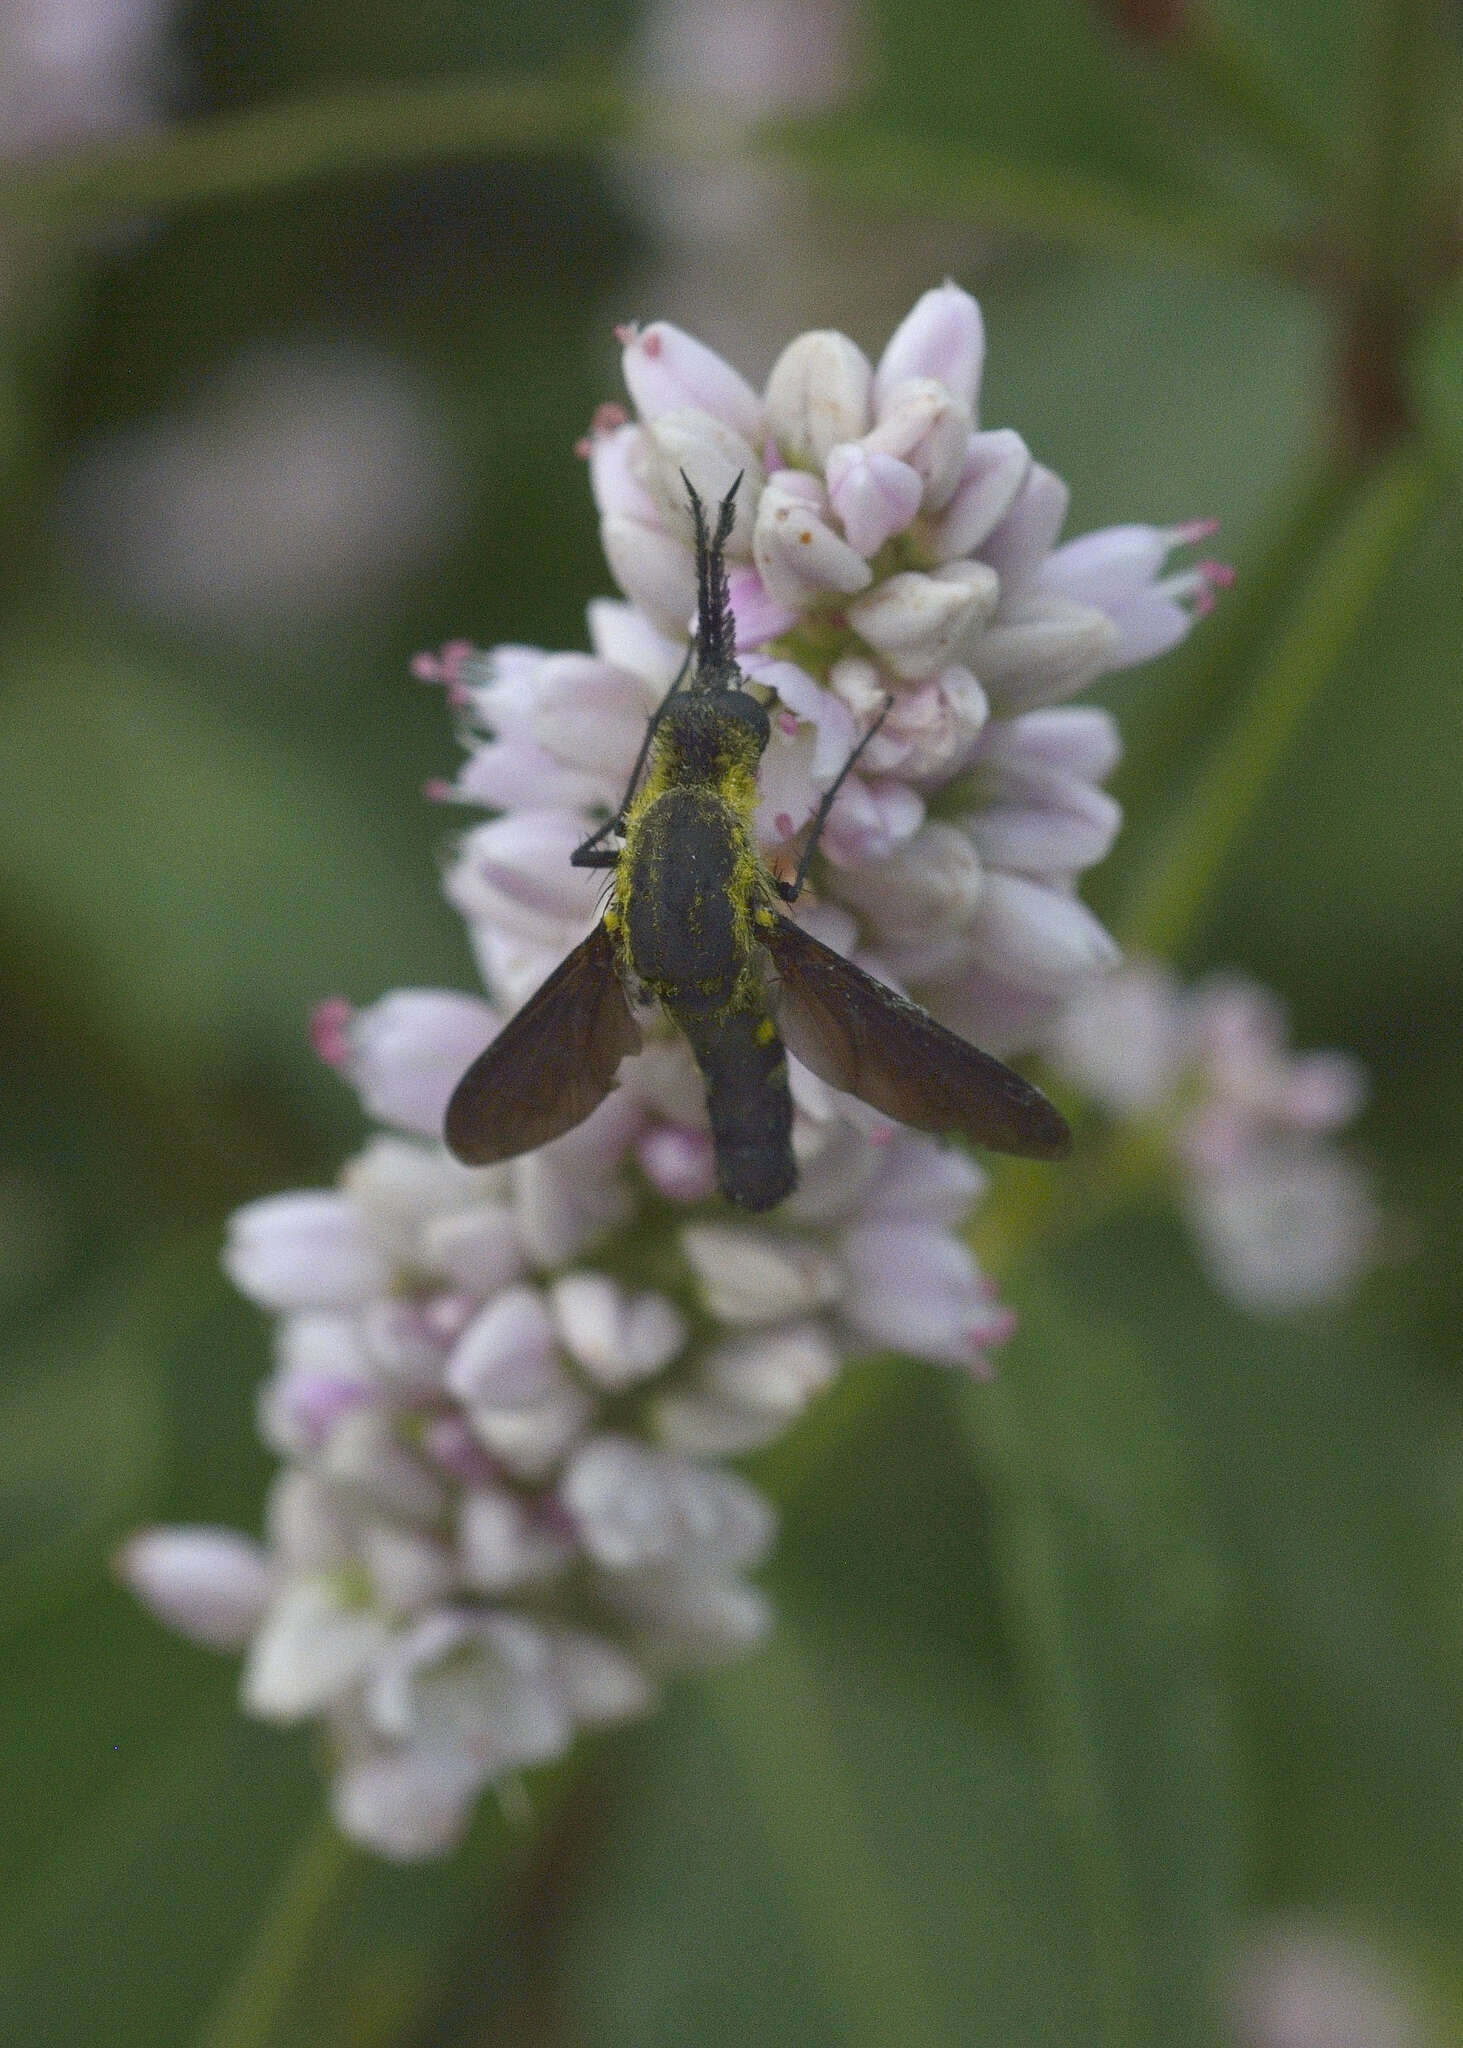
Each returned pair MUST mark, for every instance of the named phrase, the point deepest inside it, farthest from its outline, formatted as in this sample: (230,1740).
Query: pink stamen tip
(330,1031)
(1211,577)
(1194,530)
(626,333)
(583,447)
(787,722)
(438,790)
(783,823)
(426,668)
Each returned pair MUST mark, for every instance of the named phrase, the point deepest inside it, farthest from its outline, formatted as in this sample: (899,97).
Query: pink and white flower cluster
(885,545)
(1282,1217)
(499,1394)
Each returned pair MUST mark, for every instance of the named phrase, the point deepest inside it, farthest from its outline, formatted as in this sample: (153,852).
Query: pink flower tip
(330,1030)
(445,668)
(628,331)
(438,790)
(1194,530)
(606,419)
(1210,578)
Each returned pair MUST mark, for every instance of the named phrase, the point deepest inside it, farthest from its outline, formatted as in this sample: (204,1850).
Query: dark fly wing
(550,1065)
(858,1035)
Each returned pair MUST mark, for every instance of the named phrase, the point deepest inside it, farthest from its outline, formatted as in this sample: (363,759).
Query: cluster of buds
(499,1393)
(1281,1216)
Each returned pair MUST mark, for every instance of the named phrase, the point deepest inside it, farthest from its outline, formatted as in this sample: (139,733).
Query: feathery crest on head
(715,627)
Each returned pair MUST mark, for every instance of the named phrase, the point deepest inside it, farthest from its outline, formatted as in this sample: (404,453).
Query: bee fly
(693,920)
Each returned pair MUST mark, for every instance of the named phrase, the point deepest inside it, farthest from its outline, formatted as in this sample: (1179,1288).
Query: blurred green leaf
(1115,1602)
(83,1422)
(865,164)
(1439,374)
(215,882)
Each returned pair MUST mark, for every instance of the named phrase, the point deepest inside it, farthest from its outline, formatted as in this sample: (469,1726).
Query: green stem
(892,171)
(249,2009)
(770,1711)
(1072,1766)
(1384,510)
(1231,65)
(348,134)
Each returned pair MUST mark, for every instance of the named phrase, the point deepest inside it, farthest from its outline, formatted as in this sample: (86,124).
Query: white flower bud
(692,445)
(408,1052)
(918,1289)
(1042,648)
(817,396)
(666,369)
(689,1617)
(1039,938)
(941,337)
(515,872)
(653,569)
(619,1339)
(799,557)
(601,1683)
(933,884)
(476,1249)
(500,1546)
(309,1250)
(922,425)
(875,495)
(634,1507)
(405,1803)
(505,1370)
(212,1585)
(406,1570)
(315,1643)
(992,472)
(753,1276)
(916,624)
(372,1467)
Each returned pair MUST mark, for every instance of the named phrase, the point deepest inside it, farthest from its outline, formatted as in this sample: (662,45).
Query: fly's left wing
(858,1035)
(550,1065)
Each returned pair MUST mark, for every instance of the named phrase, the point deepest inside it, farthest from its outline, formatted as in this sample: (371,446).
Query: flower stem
(292,143)
(1058,1715)
(248,2010)
(1232,67)
(770,1711)
(1383,512)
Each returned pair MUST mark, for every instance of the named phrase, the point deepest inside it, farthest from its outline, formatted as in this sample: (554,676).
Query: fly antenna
(715,627)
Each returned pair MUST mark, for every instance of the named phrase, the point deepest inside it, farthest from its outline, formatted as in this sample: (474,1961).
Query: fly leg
(589,853)
(790,891)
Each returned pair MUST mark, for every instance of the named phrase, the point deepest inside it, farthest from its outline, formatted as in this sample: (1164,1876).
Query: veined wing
(857,1034)
(550,1065)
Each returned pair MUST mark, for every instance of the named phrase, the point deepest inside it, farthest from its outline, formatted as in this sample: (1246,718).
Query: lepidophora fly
(695,923)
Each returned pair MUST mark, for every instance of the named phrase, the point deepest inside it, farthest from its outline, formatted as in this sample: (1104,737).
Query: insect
(695,922)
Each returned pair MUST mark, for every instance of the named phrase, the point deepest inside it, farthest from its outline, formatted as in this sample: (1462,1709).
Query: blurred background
(272,419)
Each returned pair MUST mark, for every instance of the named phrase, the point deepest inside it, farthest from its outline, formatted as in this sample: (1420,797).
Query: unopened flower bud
(210,1584)
(917,623)
(817,396)
(942,337)
(687,446)
(875,495)
(666,369)
(992,471)
(925,427)
(798,555)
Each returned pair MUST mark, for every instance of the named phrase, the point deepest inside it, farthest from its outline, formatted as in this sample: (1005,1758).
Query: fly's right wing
(859,1035)
(550,1065)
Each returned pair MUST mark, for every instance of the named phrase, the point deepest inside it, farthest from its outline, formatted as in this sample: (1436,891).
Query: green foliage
(1079,1674)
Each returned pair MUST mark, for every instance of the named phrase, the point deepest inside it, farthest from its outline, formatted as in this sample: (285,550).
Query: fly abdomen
(744,1066)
